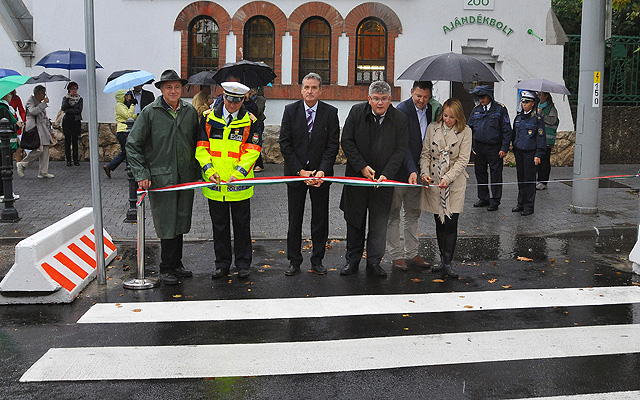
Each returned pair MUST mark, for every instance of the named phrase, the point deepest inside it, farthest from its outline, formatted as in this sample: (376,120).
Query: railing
(621,69)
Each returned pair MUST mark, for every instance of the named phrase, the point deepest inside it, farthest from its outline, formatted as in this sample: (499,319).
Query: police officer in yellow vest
(227,150)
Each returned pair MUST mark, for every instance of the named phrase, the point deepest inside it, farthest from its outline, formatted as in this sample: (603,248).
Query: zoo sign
(478,4)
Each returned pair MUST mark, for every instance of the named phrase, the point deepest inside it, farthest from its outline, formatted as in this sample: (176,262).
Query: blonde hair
(458,113)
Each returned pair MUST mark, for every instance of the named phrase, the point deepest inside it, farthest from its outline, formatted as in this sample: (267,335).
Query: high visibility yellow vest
(229,151)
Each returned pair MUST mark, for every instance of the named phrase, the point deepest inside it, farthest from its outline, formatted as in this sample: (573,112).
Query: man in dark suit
(309,138)
(143,98)
(419,111)
(374,139)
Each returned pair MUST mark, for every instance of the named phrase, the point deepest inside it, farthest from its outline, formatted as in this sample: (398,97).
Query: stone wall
(620,136)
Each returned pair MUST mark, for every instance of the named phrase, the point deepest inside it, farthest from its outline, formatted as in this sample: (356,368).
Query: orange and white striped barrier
(55,264)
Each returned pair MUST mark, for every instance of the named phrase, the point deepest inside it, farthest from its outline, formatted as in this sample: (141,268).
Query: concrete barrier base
(55,264)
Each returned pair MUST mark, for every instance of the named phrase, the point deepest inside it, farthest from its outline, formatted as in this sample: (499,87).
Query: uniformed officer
(491,128)
(227,149)
(529,145)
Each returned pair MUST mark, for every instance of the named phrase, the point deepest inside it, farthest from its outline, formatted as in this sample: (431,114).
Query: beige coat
(459,147)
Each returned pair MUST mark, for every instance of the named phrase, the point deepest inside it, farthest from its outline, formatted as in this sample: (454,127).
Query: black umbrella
(45,77)
(250,73)
(119,73)
(202,78)
(452,67)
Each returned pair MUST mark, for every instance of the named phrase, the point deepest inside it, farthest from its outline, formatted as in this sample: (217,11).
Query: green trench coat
(162,148)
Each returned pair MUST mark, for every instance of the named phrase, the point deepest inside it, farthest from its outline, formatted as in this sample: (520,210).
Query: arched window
(371,51)
(315,48)
(259,40)
(203,45)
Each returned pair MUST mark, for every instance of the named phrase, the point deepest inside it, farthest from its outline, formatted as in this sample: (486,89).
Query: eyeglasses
(380,99)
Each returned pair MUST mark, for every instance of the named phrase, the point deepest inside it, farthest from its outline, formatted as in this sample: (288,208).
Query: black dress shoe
(219,273)
(76,163)
(107,171)
(439,267)
(376,269)
(68,163)
(292,270)
(526,212)
(349,269)
(481,203)
(182,272)
(169,279)
(319,269)
(517,209)
(243,273)
(450,271)
(493,207)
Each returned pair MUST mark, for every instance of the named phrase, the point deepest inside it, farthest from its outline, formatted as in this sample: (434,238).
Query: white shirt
(225,114)
(138,97)
(422,120)
(313,114)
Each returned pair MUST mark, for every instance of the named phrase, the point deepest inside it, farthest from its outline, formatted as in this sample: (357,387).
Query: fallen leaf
(468,306)
(281,252)
(69,204)
(566,261)
(248,283)
(405,315)
(118,258)
(493,280)
(415,280)
(328,247)
(332,269)
(437,280)
(253,240)
(583,261)
(266,266)
(411,301)
(553,260)
(462,297)
(126,268)
(521,258)
(248,290)
(635,283)
(136,310)
(406,329)
(176,296)
(118,304)
(506,286)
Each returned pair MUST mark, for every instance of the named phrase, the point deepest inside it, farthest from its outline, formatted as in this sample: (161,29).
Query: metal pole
(140,282)
(586,162)
(9,213)
(93,139)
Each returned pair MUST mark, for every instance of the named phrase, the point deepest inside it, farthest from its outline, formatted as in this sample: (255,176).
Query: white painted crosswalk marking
(630,395)
(336,306)
(199,361)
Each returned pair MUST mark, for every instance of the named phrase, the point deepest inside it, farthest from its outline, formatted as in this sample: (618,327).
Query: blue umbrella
(8,72)
(128,80)
(65,59)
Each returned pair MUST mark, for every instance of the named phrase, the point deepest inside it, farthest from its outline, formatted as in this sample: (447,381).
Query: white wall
(139,34)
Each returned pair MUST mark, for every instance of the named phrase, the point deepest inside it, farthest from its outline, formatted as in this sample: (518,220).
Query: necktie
(485,108)
(229,119)
(309,121)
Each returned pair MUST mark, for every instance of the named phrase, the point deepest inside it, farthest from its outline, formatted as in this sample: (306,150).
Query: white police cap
(234,91)
(525,94)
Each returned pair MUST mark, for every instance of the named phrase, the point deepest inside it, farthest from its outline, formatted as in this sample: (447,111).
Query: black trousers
(447,234)
(170,254)
(241,217)
(378,208)
(487,156)
(544,168)
(526,171)
(71,129)
(296,197)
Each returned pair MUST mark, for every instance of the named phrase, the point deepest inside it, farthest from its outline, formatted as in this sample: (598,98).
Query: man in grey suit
(309,138)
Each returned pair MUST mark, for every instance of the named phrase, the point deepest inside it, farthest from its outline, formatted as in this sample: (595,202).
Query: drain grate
(606,184)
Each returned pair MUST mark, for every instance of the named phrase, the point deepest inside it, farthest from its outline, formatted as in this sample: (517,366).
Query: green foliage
(626,16)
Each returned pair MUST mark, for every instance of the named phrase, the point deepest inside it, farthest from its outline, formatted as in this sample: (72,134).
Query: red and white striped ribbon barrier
(345,180)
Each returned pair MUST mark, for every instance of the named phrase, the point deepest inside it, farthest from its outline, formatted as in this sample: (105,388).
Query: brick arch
(277,17)
(394,28)
(194,10)
(301,14)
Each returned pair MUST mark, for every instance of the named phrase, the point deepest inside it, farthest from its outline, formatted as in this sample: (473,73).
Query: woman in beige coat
(445,155)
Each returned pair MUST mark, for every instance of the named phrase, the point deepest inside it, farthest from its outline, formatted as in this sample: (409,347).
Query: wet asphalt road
(485,264)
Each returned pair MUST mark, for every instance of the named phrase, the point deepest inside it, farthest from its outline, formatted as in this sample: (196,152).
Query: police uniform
(529,141)
(491,134)
(228,145)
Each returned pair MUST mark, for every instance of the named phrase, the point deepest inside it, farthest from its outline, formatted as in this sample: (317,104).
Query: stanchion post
(9,213)
(133,185)
(140,282)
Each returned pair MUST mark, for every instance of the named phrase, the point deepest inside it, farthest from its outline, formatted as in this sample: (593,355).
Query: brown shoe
(400,264)
(418,262)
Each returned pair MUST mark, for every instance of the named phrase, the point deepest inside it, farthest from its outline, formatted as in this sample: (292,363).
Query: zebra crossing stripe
(288,358)
(630,395)
(336,306)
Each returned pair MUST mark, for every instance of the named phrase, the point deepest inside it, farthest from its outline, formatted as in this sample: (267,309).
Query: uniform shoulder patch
(252,117)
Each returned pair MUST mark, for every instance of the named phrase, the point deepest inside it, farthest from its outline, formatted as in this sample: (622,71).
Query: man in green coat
(161,152)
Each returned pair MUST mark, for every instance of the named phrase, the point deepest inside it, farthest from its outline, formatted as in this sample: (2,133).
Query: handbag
(30,139)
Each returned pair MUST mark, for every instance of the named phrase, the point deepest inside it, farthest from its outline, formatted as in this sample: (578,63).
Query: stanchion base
(137,284)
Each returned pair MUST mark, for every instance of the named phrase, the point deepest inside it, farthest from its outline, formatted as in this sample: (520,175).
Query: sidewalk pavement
(45,201)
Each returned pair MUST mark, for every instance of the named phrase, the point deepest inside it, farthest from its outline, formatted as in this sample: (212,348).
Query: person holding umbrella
(160,151)
(71,122)
(529,146)
(549,114)
(491,128)
(125,107)
(36,109)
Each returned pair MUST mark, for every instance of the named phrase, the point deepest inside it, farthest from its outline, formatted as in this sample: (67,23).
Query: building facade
(349,43)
